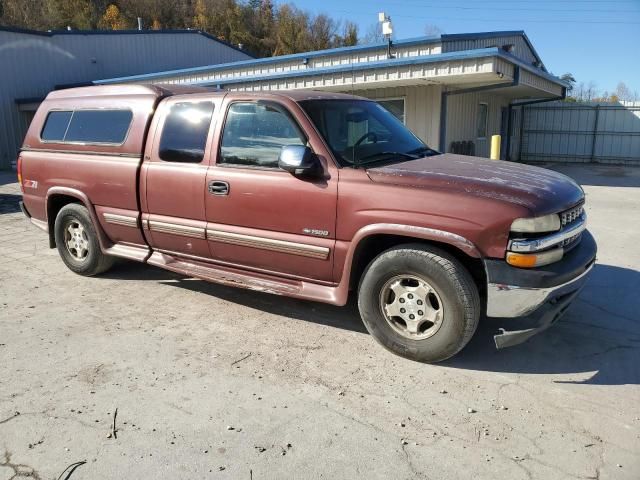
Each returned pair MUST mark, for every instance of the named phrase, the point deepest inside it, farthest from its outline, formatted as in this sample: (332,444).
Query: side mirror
(300,161)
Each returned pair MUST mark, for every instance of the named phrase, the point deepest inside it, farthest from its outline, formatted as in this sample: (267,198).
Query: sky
(595,40)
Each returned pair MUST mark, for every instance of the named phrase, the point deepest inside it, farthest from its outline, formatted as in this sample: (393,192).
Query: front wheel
(419,302)
(77,241)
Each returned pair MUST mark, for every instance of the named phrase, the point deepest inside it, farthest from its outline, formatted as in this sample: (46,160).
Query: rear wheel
(77,241)
(419,302)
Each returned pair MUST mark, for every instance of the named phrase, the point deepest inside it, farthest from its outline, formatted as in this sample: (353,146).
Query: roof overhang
(487,66)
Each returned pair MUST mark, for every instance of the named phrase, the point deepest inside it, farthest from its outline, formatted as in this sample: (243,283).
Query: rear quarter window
(87,126)
(55,126)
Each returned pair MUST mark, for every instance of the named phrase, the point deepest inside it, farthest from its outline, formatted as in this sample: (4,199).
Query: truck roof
(165,90)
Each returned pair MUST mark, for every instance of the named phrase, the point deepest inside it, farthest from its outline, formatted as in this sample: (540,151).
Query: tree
(623,92)
(292,30)
(432,30)
(112,19)
(570,79)
(76,14)
(263,28)
(373,35)
(322,32)
(350,34)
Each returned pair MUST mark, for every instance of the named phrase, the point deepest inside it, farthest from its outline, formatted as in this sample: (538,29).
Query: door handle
(217,187)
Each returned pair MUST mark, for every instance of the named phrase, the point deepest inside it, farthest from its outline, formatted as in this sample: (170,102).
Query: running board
(253,281)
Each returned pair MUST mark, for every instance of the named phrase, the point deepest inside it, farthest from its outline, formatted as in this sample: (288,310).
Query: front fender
(408,231)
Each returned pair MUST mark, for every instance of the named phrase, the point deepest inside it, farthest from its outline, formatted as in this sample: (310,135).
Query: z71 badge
(313,231)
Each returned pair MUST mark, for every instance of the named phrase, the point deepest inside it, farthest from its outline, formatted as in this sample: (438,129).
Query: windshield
(361,132)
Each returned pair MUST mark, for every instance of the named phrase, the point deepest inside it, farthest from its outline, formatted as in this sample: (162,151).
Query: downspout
(445,95)
(522,104)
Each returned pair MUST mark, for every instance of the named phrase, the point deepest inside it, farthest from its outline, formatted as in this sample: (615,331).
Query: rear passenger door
(174,174)
(259,216)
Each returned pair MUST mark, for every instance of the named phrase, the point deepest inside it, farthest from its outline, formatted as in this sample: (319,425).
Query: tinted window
(185,131)
(55,126)
(99,126)
(88,126)
(362,132)
(255,133)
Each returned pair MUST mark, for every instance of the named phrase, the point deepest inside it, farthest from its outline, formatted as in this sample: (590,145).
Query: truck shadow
(9,203)
(596,342)
(346,318)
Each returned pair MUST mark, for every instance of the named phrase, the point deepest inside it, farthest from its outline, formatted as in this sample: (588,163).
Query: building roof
(51,33)
(424,40)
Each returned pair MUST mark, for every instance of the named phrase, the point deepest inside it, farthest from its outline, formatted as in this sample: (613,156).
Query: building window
(395,106)
(254,134)
(483,110)
(87,126)
(185,131)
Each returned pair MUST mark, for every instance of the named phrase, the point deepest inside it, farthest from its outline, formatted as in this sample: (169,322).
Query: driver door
(260,217)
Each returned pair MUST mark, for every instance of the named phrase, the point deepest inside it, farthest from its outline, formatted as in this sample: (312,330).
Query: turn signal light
(19,168)
(531,260)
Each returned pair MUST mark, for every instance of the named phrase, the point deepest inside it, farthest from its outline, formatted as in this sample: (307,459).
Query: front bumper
(532,300)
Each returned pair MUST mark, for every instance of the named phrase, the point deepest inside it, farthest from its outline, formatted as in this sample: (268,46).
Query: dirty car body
(310,195)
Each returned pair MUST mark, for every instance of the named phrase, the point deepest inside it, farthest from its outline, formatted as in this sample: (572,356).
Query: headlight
(548,223)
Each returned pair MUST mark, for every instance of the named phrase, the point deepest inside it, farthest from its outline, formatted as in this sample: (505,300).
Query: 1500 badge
(313,231)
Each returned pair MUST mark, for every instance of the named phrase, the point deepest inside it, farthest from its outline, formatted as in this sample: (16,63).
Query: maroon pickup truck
(310,195)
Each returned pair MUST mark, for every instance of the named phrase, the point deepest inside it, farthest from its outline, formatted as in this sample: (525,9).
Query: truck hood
(540,190)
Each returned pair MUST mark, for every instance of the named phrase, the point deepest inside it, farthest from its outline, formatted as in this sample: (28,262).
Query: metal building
(453,91)
(34,63)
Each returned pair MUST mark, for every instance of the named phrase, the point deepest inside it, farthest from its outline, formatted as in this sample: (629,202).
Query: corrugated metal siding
(528,78)
(297,65)
(462,119)
(580,133)
(34,64)
(422,108)
(520,47)
(398,74)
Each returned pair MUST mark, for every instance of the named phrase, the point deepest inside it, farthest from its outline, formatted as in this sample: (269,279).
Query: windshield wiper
(424,151)
(389,153)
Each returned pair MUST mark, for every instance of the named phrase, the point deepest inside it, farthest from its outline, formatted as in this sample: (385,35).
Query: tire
(445,320)
(73,226)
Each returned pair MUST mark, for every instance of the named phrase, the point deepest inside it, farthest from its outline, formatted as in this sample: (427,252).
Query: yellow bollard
(495,147)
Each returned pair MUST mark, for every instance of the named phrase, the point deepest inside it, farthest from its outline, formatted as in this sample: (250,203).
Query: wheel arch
(374,240)
(58,198)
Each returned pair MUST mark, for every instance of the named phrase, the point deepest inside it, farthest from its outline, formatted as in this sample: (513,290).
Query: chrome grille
(569,216)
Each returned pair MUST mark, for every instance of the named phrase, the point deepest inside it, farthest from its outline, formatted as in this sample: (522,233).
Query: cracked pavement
(216,382)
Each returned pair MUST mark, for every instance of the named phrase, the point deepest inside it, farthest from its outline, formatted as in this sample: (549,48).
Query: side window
(87,126)
(184,135)
(99,126)
(55,126)
(255,133)
(482,120)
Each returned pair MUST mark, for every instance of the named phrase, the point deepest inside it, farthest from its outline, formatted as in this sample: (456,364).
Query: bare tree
(373,34)
(432,30)
(591,91)
(623,92)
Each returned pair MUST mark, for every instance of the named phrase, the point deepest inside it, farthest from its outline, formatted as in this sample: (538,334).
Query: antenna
(387,31)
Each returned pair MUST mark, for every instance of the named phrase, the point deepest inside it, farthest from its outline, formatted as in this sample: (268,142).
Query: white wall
(462,119)
(422,108)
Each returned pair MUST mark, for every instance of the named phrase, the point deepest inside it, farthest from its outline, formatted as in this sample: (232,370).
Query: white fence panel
(580,133)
